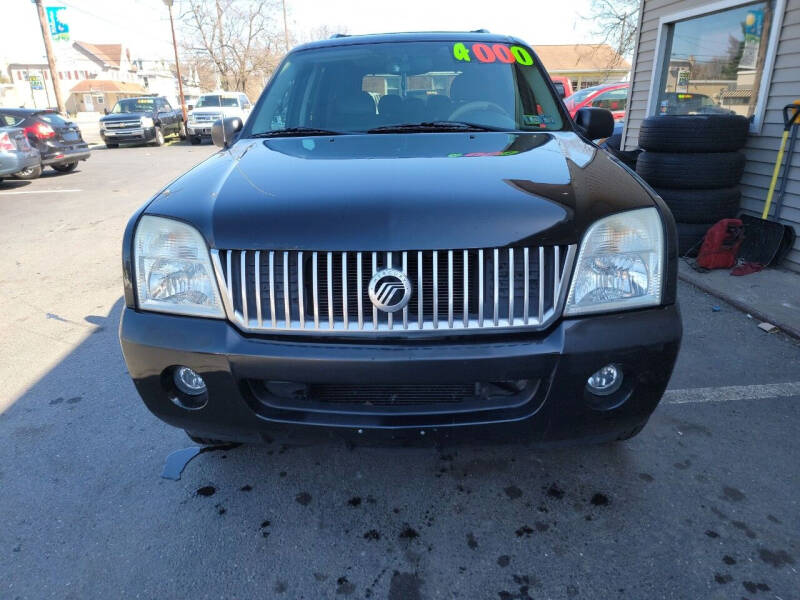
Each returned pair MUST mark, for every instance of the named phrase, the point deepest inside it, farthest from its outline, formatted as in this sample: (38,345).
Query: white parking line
(733,392)
(38,192)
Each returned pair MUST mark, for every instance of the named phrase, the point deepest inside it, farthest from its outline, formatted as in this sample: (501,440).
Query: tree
(615,24)
(241,39)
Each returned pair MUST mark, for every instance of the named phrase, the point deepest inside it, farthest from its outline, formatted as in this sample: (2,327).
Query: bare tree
(241,39)
(615,24)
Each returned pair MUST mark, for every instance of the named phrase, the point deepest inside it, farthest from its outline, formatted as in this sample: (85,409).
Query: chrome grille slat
(300,306)
(452,290)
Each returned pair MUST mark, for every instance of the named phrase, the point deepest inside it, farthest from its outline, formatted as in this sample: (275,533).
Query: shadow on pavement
(83,503)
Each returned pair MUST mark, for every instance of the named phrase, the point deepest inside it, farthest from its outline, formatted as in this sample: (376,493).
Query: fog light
(189,382)
(605,381)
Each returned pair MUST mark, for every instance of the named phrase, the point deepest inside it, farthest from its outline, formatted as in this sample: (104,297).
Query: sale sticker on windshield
(485,53)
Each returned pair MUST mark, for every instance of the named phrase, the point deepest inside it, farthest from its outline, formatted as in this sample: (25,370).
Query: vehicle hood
(212,110)
(401,191)
(124,116)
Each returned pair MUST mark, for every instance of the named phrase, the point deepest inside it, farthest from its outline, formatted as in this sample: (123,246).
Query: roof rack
(339,35)
(481,30)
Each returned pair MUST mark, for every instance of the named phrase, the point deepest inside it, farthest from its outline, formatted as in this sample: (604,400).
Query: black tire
(694,133)
(110,145)
(691,171)
(630,434)
(702,206)
(194,140)
(66,167)
(29,173)
(159,139)
(690,236)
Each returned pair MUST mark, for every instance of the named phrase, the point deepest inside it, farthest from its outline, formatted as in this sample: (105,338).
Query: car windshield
(132,105)
(216,101)
(375,87)
(578,97)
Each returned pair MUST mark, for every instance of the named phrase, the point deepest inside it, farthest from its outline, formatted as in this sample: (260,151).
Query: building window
(717,63)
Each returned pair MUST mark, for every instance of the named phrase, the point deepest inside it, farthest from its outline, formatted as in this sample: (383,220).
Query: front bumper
(557,364)
(199,129)
(122,136)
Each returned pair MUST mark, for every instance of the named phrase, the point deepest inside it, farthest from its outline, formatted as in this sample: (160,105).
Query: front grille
(484,289)
(207,117)
(123,124)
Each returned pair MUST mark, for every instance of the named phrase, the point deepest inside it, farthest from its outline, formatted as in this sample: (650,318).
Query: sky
(143,25)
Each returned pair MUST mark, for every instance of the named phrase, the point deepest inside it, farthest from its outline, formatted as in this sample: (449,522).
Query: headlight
(173,269)
(620,264)
(147,122)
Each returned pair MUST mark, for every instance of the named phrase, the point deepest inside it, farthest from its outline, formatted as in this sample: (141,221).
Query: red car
(612,96)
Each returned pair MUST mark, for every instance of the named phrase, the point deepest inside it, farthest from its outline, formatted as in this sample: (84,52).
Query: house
(737,55)
(108,67)
(585,64)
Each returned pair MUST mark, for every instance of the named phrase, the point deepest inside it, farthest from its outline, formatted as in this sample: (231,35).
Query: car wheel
(194,140)
(698,171)
(159,139)
(702,206)
(110,145)
(630,434)
(694,133)
(182,131)
(66,167)
(29,173)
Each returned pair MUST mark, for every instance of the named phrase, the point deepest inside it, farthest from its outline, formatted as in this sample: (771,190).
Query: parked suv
(141,120)
(59,141)
(212,107)
(461,262)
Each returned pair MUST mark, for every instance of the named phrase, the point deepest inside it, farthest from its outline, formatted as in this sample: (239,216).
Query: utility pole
(51,59)
(177,62)
(285,26)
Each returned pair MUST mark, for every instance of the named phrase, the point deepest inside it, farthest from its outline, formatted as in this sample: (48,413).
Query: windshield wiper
(432,126)
(295,131)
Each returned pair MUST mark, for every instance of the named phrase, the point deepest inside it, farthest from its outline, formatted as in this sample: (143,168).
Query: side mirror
(105,111)
(596,123)
(224,130)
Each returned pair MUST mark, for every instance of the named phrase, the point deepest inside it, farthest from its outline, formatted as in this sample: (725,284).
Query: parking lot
(702,504)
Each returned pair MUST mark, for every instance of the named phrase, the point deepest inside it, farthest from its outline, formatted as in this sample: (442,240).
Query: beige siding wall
(761,150)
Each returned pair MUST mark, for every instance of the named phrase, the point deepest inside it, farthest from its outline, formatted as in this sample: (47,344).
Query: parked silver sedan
(16,154)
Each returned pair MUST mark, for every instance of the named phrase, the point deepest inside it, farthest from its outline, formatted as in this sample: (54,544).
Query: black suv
(58,140)
(141,120)
(409,237)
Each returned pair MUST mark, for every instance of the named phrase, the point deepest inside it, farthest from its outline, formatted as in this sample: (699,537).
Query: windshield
(216,101)
(579,97)
(361,87)
(132,105)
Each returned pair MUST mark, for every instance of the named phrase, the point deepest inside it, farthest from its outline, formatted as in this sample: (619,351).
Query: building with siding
(584,64)
(737,55)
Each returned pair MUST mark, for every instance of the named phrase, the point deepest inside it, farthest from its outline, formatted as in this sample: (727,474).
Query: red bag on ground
(721,244)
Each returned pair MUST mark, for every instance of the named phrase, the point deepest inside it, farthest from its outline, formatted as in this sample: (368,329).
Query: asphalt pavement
(702,504)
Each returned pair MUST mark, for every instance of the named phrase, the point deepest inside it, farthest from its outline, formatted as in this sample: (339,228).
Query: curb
(787,328)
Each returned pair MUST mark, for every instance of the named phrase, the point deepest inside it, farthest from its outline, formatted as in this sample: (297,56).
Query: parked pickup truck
(141,120)
(212,107)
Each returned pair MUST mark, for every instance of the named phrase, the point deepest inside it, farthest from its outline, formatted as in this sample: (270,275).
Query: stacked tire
(695,164)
